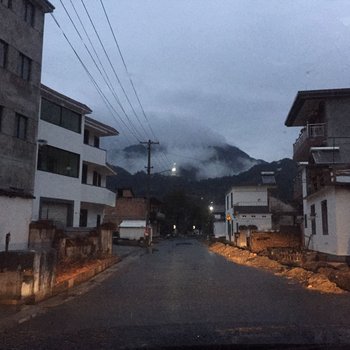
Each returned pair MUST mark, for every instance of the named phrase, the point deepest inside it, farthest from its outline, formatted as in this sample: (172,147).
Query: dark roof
(104,129)
(314,96)
(45,5)
(251,209)
(66,101)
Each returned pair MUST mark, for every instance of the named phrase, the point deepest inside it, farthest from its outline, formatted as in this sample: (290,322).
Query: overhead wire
(99,90)
(129,76)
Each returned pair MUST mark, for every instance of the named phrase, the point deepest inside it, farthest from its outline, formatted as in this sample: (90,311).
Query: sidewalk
(11,315)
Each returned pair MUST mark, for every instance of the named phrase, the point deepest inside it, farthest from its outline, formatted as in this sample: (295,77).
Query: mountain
(212,189)
(195,162)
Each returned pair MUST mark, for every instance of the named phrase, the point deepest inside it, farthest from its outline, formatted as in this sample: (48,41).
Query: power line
(111,64)
(102,95)
(129,76)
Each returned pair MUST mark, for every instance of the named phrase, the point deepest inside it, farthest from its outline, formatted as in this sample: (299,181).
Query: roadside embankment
(312,280)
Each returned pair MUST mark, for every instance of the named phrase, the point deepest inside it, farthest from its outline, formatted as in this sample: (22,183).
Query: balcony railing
(310,136)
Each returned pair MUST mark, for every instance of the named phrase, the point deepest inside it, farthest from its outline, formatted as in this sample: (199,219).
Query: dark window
(24,66)
(96,141)
(231,200)
(324,212)
(61,116)
(313,219)
(98,220)
(96,180)
(86,136)
(1,116)
(29,12)
(305,220)
(83,217)
(84,174)
(7,3)
(58,161)
(21,126)
(3,54)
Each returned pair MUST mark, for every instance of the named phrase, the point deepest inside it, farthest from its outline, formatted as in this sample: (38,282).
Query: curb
(41,305)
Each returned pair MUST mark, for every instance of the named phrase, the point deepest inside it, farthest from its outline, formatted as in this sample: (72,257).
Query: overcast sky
(206,71)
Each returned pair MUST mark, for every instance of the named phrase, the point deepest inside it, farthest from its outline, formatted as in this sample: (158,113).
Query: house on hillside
(70,180)
(21,44)
(323,152)
(129,207)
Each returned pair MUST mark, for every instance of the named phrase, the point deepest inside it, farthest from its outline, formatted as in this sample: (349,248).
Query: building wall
(337,242)
(15,218)
(17,95)
(219,228)
(17,157)
(249,195)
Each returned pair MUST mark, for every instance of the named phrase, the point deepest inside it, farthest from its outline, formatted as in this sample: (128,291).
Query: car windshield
(174,174)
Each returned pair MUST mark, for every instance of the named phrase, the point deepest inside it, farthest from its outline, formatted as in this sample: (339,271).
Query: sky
(207,72)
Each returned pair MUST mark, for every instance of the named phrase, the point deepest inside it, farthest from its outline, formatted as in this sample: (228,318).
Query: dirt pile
(311,280)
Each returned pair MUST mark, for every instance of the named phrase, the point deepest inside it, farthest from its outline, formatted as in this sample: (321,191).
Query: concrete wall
(15,217)
(219,228)
(260,241)
(17,157)
(249,195)
(26,275)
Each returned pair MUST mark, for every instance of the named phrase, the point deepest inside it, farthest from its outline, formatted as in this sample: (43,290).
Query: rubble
(319,276)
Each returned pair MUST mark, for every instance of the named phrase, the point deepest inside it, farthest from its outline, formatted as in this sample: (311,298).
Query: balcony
(312,135)
(94,155)
(97,195)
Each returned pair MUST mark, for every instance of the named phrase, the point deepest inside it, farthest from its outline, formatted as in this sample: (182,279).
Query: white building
(248,206)
(323,152)
(70,180)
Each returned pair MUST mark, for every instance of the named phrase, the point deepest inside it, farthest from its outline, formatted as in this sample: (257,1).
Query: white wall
(131,232)
(249,195)
(219,228)
(337,242)
(93,211)
(262,221)
(15,217)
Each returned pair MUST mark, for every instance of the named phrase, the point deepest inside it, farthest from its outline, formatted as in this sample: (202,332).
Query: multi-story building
(247,206)
(21,44)
(70,181)
(323,152)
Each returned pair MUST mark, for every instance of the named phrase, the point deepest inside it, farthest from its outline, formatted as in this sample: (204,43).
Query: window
(231,200)
(1,116)
(227,202)
(61,116)
(21,126)
(6,3)
(3,54)
(98,220)
(305,220)
(83,217)
(313,219)
(324,212)
(29,12)
(253,216)
(86,136)
(84,174)
(58,161)
(96,180)
(24,67)
(96,141)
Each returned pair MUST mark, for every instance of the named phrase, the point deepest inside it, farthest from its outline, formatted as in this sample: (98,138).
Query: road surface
(184,295)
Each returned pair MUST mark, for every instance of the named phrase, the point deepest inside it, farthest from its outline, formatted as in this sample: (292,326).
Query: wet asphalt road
(182,294)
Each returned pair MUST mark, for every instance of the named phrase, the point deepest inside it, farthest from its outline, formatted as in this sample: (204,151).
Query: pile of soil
(309,279)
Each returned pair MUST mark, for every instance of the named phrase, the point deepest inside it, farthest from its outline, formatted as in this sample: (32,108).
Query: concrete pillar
(76,214)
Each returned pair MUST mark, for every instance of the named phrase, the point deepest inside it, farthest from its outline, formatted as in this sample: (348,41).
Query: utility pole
(149,144)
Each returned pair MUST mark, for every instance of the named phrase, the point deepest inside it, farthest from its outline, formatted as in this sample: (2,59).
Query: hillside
(209,189)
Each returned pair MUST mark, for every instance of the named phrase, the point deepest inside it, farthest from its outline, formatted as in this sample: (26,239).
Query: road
(182,294)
